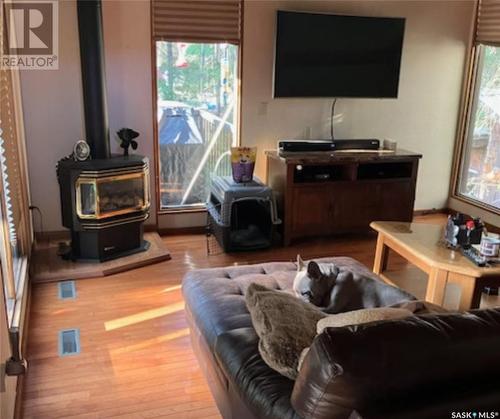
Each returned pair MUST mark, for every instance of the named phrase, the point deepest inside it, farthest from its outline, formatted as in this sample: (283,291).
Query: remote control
(473,254)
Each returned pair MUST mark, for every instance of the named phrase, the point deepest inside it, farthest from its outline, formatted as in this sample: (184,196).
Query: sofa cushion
(436,360)
(215,296)
(285,325)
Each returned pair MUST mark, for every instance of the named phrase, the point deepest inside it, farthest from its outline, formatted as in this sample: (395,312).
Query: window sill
(476,203)
(180,210)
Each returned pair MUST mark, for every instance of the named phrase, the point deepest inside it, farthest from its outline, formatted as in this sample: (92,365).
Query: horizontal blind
(13,163)
(11,208)
(197,20)
(488,22)
(9,156)
(15,230)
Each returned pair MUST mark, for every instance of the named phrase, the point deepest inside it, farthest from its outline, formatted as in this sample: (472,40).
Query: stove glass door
(110,196)
(121,194)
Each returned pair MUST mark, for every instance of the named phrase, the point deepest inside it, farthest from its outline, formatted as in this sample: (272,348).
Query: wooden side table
(422,245)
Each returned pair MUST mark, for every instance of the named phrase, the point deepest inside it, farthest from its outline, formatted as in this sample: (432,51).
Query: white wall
(422,119)
(53,118)
(53,103)
(127,42)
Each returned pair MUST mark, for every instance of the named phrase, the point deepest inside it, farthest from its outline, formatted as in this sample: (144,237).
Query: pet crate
(241,216)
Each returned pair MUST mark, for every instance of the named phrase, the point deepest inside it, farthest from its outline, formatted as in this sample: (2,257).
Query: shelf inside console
(352,172)
(324,173)
(385,170)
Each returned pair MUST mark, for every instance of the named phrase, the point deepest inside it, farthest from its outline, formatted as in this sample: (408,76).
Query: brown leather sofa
(426,366)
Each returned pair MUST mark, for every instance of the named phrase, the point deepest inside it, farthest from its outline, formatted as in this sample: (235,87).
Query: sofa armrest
(379,368)
(313,394)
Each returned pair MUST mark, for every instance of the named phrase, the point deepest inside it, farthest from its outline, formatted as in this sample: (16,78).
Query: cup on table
(490,246)
(390,144)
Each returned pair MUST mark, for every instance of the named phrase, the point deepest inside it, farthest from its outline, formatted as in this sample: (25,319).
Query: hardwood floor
(136,360)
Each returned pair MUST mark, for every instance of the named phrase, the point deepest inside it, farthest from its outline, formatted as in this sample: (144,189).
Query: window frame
(156,149)
(468,108)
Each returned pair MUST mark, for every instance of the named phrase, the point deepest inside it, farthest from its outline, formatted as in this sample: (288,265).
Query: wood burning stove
(110,193)
(104,200)
(104,204)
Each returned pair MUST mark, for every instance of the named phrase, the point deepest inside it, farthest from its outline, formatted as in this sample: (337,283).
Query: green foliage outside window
(199,75)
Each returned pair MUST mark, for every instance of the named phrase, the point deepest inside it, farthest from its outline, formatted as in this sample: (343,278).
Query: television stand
(326,193)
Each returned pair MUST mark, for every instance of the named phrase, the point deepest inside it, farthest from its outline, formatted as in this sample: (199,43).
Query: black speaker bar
(328,145)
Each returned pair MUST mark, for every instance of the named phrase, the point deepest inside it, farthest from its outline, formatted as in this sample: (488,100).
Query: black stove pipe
(93,77)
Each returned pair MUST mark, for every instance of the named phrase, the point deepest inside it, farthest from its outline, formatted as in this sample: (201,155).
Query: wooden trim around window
(468,107)
(154,104)
(464,118)
(156,149)
(240,72)
(28,231)
(466,111)
(183,210)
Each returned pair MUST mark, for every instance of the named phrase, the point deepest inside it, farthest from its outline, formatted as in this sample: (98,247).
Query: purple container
(243,172)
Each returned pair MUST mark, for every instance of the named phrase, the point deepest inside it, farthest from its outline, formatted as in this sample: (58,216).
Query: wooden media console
(324,193)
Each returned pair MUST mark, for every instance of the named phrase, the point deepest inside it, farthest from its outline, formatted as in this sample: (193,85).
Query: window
(196,46)
(15,230)
(479,177)
(197,117)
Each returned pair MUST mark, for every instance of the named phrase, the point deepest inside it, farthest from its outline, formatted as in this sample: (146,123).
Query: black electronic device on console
(294,146)
(328,145)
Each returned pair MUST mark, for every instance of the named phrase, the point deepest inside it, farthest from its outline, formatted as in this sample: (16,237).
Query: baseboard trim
(178,231)
(52,235)
(202,229)
(182,231)
(431,211)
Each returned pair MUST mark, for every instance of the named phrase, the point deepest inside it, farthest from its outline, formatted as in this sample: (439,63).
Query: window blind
(10,209)
(9,156)
(197,20)
(16,228)
(488,22)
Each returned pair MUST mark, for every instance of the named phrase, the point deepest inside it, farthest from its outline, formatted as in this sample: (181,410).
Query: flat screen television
(324,55)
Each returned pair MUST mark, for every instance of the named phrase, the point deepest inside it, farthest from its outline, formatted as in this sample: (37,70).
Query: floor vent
(67,290)
(69,342)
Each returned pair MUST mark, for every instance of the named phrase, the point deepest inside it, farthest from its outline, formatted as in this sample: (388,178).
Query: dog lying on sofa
(337,290)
